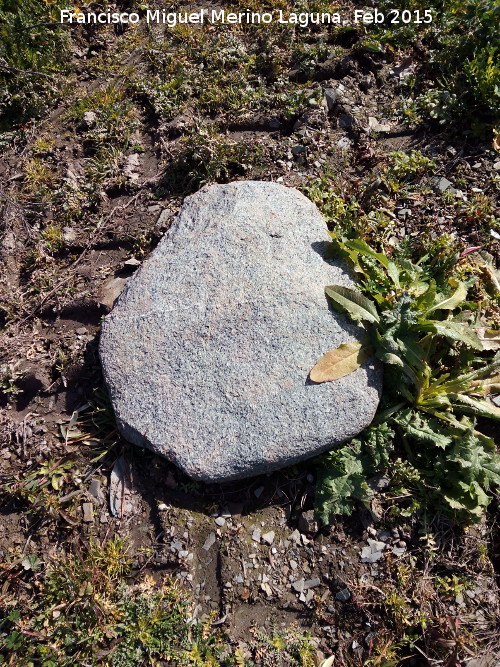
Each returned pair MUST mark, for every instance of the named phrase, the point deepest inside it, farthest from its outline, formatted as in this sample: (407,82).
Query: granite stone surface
(207,351)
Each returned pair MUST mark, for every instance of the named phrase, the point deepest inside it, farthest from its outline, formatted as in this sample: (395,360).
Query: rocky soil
(251,552)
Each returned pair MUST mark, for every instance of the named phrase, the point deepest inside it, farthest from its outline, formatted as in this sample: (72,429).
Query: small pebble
(268,538)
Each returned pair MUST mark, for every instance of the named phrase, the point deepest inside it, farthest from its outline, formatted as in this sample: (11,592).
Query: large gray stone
(207,352)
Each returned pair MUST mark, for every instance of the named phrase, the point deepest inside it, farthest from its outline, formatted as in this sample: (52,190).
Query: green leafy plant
(419,323)
(9,378)
(31,55)
(459,80)
(87,613)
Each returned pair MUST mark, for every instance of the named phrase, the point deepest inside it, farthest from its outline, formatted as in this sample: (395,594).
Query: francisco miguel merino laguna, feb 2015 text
(211,16)
(221,16)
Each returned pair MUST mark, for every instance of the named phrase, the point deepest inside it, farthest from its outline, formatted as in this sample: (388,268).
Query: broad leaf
(390,358)
(451,302)
(452,330)
(364,249)
(357,306)
(427,297)
(340,362)
(413,352)
(475,406)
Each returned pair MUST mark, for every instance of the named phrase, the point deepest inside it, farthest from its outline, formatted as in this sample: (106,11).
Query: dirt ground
(250,552)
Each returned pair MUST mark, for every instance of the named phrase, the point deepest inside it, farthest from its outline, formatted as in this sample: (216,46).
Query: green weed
(421,323)
(460,81)
(9,378)
(85,613)
(207,157)
(32,58)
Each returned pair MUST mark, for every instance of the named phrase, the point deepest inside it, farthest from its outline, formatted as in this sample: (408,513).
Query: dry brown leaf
(490,338)
(340,362)
(488,386)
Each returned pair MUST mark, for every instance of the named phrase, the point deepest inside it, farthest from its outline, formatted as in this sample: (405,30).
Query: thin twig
(16,70)
(53,24)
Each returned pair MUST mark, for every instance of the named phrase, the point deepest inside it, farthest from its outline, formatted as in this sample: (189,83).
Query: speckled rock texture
(207,352)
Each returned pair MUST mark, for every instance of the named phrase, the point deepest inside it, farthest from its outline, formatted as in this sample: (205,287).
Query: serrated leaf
(423,430)
(341,479)
(412,269)
(355,304)
(451,302)
(453,330)
(338,363)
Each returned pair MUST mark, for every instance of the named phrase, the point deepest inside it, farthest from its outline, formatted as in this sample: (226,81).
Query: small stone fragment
(111,291)
(209,541)
(344,143)
(95,489)
(311,583)
(298,585)
(376,545)
(267,589)
(268,538)
(88,512)
(89,120)
(256,535)
(132,262)
(346,120)
(369,556)
(220,521)
(404,213)
(307,522)
(344,595)
(309,596)
(374,125)
(163,218)
(69,234)
(299,150)
(398,551)
(331,98)
(441,184)
(131,167)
